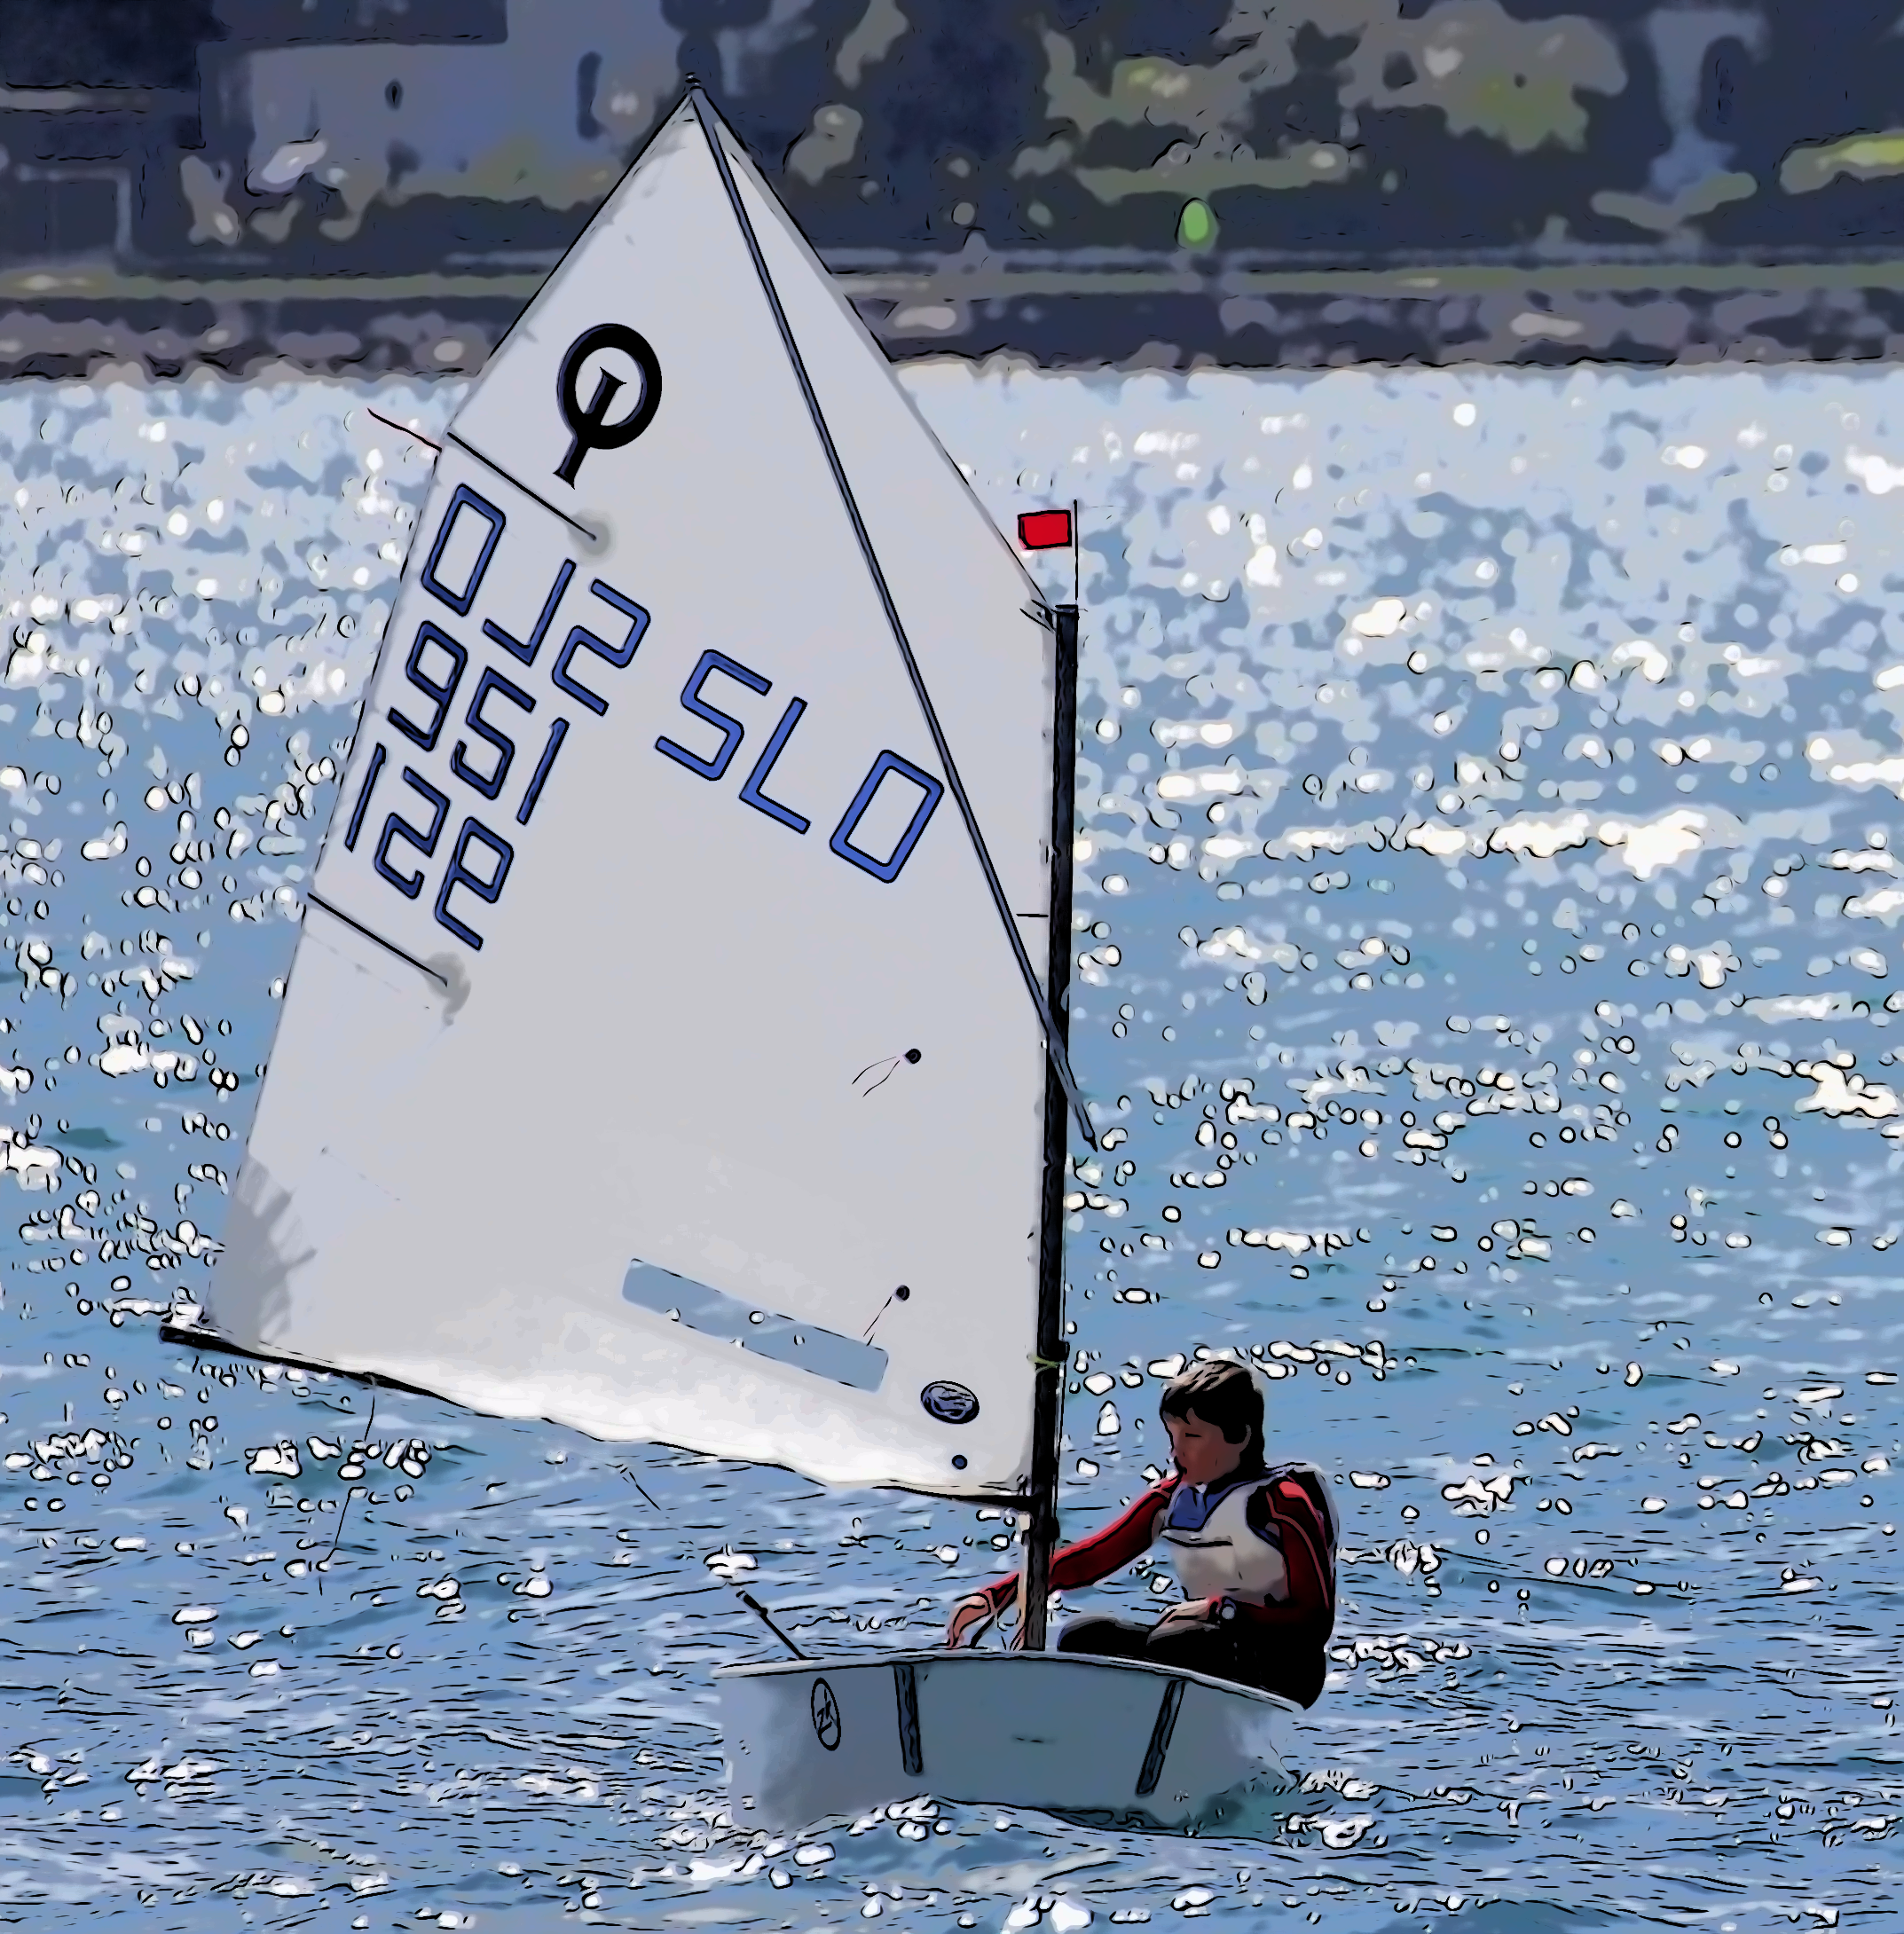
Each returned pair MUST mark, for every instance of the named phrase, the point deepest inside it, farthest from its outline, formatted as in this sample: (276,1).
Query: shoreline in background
(70,320)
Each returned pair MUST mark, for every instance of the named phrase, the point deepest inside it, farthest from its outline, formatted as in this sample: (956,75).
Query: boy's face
(1203,1454)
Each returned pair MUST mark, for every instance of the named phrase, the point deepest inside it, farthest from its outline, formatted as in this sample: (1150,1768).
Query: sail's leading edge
(652,1061)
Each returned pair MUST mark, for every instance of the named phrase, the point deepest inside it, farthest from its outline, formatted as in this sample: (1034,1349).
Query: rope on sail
(1053,1042)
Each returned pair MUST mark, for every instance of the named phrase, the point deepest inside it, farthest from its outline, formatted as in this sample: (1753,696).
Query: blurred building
(1261,179)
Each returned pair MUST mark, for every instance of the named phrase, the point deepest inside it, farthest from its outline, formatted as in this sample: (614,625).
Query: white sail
(654,1059)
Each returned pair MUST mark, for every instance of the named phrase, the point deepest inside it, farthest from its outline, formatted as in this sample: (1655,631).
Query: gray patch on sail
(712,1312)
(334,1197)
(249,1298)
(270,1234)
(455,975)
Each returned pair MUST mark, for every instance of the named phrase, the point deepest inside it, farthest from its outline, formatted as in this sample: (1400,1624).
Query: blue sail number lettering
(501,855)
(433,646)
(425,841)
(713,766)
(484,761)
(484,758)
(489,784)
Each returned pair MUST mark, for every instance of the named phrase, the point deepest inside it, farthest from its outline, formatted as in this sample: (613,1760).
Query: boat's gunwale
(944,1655)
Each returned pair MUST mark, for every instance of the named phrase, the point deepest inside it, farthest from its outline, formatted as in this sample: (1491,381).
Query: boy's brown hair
(1225,1393)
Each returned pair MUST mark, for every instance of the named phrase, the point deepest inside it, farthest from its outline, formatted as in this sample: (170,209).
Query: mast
(1047,1412)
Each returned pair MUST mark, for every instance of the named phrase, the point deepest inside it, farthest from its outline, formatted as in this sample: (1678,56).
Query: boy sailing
(1254,1546)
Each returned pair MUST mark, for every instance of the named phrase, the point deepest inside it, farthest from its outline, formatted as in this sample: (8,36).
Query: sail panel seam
(535,497)
(390,947)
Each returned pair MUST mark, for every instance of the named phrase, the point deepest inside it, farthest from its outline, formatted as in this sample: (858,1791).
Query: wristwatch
(1226,1611)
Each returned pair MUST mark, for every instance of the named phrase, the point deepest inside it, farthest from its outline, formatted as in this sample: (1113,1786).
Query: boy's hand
(1191,1615)
(971,1615)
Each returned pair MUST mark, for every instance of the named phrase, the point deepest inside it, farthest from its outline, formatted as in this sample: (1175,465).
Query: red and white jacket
(1264,1544)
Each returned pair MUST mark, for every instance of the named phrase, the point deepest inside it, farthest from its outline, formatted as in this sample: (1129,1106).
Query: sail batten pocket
(786,1340)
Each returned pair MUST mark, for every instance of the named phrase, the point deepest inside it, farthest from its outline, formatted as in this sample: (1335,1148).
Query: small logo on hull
(949,1403)
(825,1711)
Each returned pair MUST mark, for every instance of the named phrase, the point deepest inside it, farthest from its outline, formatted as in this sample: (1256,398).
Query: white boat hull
(1107,1739)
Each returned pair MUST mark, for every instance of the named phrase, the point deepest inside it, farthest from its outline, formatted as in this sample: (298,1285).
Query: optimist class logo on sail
(490,769)
(592,429)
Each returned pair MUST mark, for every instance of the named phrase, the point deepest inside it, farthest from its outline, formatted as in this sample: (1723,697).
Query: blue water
(1487,908)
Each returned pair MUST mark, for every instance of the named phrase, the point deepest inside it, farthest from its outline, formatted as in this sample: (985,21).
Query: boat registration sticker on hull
(825,1709)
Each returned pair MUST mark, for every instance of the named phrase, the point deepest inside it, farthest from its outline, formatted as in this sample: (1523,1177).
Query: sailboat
(674,1047)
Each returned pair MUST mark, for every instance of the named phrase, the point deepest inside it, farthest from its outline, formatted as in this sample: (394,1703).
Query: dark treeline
(364,136)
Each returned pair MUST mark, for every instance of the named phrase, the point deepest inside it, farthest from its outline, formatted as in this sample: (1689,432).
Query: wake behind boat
(674,1047)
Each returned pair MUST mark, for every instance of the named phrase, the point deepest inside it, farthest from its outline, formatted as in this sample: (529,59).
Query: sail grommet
(949,1403)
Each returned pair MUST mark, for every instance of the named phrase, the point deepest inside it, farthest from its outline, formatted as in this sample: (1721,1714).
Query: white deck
(1145,1746)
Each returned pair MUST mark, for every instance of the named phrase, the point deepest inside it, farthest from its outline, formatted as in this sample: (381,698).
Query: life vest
(1299,1505)
(1217,1551)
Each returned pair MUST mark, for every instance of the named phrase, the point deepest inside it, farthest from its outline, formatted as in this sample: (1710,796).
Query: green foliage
(1196,227)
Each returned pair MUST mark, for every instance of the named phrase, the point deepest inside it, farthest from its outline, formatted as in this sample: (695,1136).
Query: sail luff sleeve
(955,783)
(1047,1410)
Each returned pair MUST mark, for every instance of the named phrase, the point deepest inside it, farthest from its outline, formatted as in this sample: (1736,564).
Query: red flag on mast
(1044,530)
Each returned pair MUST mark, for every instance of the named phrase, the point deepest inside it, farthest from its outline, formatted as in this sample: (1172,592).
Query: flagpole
(1049,1353)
